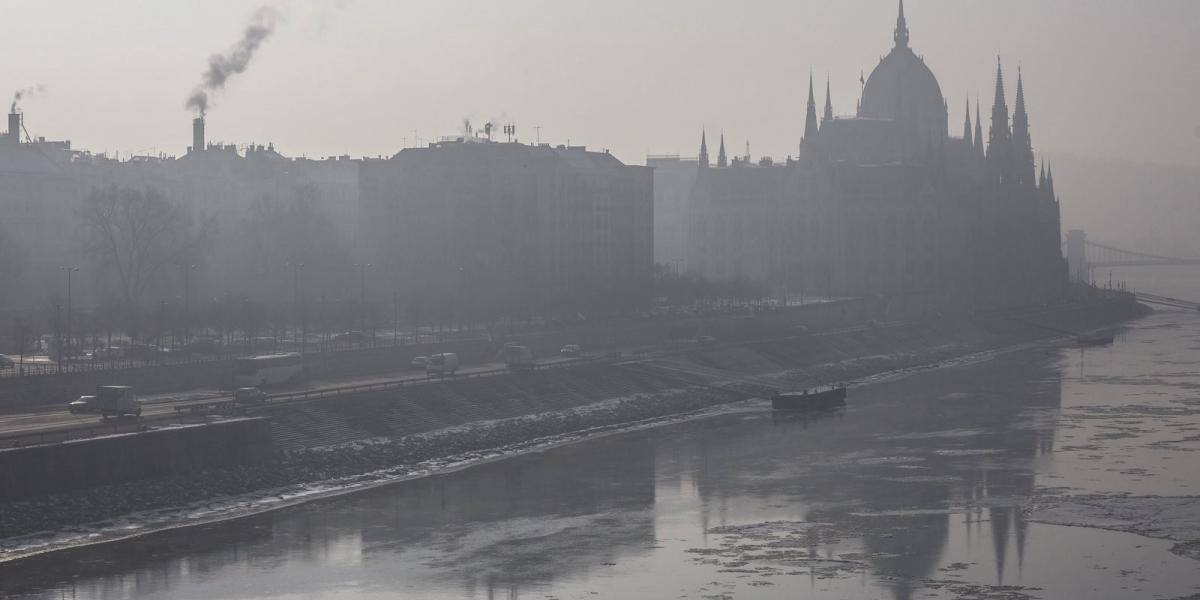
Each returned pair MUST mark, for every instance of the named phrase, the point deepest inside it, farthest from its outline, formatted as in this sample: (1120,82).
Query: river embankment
(329,446)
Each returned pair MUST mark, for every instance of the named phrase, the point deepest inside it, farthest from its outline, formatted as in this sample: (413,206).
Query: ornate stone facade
(887,202)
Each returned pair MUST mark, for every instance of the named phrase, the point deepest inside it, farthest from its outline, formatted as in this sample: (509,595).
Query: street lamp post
(187,294)
(296,266)
(362,267)
(69,270)
(58,335)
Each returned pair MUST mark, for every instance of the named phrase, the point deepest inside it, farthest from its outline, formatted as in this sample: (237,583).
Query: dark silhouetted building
(886,201)
(476,229)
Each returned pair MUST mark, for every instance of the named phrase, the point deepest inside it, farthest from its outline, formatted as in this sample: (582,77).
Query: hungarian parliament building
(884,202)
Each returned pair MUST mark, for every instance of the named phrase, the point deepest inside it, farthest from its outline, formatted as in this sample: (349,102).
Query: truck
(116,401)
(518,357)
(442,364)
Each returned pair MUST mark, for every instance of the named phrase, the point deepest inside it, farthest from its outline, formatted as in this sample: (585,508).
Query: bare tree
(12,262)
(135,235)
(280,233)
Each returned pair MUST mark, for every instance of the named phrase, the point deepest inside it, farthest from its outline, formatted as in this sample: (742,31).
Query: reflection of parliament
(882,202)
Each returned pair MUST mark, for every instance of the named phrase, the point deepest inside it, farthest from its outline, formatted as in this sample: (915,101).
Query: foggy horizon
(780,299)
(633,79)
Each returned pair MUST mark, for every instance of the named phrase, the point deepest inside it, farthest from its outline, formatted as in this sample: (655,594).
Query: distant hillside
(1147,207)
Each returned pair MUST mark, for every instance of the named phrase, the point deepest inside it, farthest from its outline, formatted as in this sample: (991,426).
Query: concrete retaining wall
(172,452)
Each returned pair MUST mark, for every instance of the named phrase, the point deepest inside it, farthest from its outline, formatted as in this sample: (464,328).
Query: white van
(442,364)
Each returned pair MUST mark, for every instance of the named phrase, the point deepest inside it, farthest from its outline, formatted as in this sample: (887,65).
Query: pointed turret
(999,150)
(722,160)
(967,126)
(978,131)
(1022,142)
(901,35)
(828,103)
(1042,177)
(810,121)
(703,160)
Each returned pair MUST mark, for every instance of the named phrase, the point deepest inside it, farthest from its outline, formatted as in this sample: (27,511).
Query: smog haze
(1112,79)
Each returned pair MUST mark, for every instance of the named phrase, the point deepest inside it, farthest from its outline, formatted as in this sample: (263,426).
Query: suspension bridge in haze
(1085,256)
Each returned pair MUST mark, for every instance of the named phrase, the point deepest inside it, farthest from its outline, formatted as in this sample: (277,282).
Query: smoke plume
(24,93)
(235,60)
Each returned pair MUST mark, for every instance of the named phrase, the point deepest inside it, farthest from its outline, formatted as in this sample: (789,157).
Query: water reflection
(897,467)
(452,530)
(917,483)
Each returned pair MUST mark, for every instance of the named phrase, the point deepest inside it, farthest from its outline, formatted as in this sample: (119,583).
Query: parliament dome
(902,88)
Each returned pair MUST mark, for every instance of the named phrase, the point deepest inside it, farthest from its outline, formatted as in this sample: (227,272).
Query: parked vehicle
(117,401)
(418,362)
(141,352)
(207,346)
(518,357)
(6,362)
(267,369)
(85,404)
(571,350)
(442,364)
(112,352)
(356,337)
(249,395)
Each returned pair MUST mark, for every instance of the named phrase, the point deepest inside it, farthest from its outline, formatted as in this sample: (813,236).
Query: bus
(267,370)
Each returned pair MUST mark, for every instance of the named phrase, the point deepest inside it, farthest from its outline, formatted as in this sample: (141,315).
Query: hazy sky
(1103,77)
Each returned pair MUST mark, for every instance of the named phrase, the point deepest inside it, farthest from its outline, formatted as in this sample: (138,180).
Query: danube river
(949,483)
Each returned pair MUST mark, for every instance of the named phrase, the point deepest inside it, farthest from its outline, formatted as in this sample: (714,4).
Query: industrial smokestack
(235,60)
(14,127)
(198,134)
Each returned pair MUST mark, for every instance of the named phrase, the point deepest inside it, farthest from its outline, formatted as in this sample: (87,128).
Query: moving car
(571,350)
(418,362)
(85,404)
(442,364)
(249,395)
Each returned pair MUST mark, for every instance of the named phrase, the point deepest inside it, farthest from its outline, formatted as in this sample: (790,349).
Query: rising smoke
(25,93)
(235,60)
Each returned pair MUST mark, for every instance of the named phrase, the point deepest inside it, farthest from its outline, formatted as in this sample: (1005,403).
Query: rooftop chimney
(198,134)
(14,127)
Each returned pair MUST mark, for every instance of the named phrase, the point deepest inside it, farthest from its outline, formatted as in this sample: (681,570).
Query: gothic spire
(901,35)
(1000,136)
(703,160)
(828,102)
(810,121)
(722,160)
(1020,108)
(967,125)
(1022,142)
(978,130)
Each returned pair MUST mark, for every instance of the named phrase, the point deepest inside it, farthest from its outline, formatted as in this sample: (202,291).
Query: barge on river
(1095,338)
(809,401)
